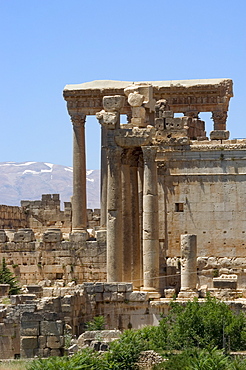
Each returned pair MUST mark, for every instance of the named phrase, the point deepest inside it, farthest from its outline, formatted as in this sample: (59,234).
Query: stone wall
(202,192)
(12,217)
(52,257)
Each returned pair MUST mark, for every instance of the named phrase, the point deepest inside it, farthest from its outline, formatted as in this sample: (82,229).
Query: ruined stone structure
(161,176)
(172,218)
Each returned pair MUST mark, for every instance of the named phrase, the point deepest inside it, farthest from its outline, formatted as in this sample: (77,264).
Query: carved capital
(149,154)
(219,117)
(78,119)
(109,120)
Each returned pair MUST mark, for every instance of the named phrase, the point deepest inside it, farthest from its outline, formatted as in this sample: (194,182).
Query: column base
(78,235)
(219,135)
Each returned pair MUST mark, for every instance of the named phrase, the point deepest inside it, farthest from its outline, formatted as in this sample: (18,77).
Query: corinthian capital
(149,153)
(78,119)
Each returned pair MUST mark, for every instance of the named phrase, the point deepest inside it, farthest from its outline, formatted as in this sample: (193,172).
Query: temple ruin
(172,219)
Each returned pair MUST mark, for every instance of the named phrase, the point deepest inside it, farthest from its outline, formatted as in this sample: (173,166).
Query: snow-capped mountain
(29,180)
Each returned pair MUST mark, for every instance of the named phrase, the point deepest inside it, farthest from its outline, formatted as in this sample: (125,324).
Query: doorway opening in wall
(209,124)
(93,158)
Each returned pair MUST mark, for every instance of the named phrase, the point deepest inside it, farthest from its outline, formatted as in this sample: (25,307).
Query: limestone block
(89,288)
(99,297)
(129,287)
(30,342)
(168,114)
(3,236)
(99,287)
(113,103)
(159,124)
(51,328)
(107,296)
(138,112)
(121,297)
(24,235)
(42,341)
(78,237)
(55,341)
(121,287)
(169,293)
(135,99)
(4,289)
(110,287)
(219,135)
(55,352)
(30,316)
(30,328)
(137,296)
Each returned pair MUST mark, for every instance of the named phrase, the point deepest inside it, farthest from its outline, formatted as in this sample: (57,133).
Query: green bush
(210,323)
(6,277)
(98,323)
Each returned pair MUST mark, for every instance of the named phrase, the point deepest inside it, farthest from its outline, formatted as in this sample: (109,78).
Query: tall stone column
(150,221)
(104,171)
(114,221)
(126,218)
(79,216)
(188,266)
(140,203)
(135,225)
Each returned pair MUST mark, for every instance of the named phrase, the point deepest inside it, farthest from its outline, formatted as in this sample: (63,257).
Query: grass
(13,364)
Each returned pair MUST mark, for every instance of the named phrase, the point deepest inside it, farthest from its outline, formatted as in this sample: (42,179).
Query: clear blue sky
(46,44)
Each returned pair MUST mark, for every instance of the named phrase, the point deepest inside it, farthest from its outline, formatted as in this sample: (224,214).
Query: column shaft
(126,220)
(114,220)
(79,216)
(150,221)
(135,229)
(104,171)
(188,262)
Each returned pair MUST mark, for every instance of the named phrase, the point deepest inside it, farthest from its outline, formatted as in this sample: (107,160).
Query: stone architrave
(188,266)
(150,221)
(79,216)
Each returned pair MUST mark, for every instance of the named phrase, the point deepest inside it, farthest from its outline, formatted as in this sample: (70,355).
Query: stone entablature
(184,96)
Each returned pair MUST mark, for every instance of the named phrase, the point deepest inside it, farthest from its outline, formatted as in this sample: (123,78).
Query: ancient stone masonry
(144,163)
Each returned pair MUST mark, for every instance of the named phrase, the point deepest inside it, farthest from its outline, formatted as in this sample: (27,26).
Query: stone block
(30,316)
(50,328)
(42,341)
(52,236)
(78,236)
(99,297)
(55,341)
(167,114)
(113,103)
(219,135)
(129,287)
(121,287)
(107,296)
(137,296)
(101,236)
(4,290)
(99,287)
(10,234)
(110,287)
(56,352)
(24,235)
(3,236)
(30,328)
(28,343)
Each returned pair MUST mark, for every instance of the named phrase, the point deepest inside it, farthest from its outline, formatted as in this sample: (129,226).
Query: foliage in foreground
(98,323)
(6,277)
(200,331)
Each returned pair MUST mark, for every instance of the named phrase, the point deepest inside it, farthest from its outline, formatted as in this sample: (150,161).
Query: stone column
(126,219)
(150,221)
(219,133)
(103,219)
(135,226)
(188,266)
(79,216)
(114,221)
(140,203)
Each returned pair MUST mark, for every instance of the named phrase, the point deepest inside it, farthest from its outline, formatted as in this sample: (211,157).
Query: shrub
(6,277)
(98,323)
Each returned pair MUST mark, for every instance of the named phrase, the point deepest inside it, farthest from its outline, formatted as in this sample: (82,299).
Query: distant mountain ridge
(29,180)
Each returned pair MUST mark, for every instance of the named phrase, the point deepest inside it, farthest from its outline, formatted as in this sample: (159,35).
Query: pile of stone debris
(148,359)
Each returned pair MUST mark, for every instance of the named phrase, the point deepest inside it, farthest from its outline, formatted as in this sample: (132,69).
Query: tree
(6,277)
